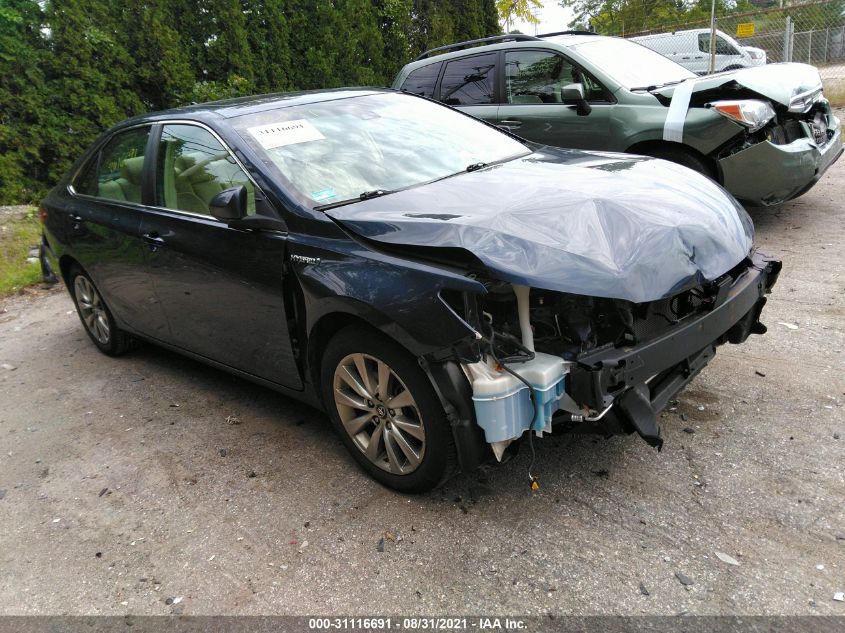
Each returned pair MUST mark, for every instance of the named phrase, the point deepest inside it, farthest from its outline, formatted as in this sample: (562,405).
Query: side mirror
(573,94)
(229,204)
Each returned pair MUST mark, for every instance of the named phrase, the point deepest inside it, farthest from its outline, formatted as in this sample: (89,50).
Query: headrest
(183,161)
(132,169)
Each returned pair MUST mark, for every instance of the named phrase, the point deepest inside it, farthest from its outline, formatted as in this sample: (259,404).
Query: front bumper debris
(641,380)
(766,173)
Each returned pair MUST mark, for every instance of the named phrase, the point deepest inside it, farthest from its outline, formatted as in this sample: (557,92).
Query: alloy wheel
(92,309)
(379,413)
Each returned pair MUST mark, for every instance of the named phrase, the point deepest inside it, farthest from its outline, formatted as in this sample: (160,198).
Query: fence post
(810,48)
(826,40)
(787,40)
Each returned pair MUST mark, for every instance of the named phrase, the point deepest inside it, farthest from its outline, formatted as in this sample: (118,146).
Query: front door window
(193,167)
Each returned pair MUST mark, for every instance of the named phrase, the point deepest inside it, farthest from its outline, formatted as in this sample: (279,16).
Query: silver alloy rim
(379,413)
(91,309)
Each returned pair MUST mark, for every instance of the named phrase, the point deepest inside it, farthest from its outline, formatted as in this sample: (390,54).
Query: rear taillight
(42,213)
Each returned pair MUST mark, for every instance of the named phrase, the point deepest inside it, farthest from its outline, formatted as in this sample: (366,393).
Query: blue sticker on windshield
(323,194)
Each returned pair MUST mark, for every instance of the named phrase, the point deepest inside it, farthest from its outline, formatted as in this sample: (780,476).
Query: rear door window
(116,172)
(422,80)
(193,167)
(469,81)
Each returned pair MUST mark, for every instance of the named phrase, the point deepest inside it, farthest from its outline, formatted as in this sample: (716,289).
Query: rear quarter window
(421,81)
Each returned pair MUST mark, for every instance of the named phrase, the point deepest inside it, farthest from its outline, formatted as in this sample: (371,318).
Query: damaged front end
(790,135)
(608,281)
(597,365)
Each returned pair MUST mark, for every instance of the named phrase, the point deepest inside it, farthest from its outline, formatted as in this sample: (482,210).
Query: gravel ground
(152,484)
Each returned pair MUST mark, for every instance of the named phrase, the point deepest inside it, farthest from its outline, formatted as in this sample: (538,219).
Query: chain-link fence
(810,32)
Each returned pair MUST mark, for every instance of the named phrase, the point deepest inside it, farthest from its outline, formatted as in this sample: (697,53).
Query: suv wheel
(683,157)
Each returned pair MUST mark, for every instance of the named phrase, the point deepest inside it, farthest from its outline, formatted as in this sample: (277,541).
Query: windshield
(359,147)
(629,63)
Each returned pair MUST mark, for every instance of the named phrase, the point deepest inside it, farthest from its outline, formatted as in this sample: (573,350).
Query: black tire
(47,275)
(437,455)
(683,157)
(115,342)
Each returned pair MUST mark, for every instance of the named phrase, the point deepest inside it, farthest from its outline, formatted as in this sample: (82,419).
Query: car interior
(191,175)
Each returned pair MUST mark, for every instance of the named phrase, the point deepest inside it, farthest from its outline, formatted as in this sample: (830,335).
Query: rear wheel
(96,317)
(386,412)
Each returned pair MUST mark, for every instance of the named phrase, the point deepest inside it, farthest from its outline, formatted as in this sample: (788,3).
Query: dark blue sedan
(443,289)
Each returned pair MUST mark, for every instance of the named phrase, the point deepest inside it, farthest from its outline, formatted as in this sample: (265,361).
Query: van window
(421,81)
(723,46)
(469,81)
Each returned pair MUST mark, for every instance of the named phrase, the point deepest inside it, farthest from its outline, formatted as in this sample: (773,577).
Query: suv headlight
(751,113)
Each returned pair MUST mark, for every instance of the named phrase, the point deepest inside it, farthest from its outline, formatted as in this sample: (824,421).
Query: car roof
(565,40)
(228,108)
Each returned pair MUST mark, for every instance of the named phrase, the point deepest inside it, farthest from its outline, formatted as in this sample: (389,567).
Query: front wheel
(683,157)
(96,316)
(386,412)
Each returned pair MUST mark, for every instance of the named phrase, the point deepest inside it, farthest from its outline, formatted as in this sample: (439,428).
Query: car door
(470,84)
(103,216)
(532,106)
(222,289)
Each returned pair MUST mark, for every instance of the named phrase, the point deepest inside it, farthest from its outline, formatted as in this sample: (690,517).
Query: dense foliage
(71,68)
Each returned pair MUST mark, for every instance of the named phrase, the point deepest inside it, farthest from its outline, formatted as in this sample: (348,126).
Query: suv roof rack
(510,37)
(567,33)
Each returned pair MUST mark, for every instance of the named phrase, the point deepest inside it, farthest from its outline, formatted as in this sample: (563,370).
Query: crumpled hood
(596,224)
(778,82)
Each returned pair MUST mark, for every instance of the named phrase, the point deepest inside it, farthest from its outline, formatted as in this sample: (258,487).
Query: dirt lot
(152,484)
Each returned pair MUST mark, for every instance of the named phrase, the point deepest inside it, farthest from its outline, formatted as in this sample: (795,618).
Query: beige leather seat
(128,185)
(195,183)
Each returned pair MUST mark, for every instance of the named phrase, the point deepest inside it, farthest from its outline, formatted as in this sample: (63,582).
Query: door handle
(511,122)
(153,240)
(76,219)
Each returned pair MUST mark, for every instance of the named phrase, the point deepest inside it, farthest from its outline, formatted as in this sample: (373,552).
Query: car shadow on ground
(197,383)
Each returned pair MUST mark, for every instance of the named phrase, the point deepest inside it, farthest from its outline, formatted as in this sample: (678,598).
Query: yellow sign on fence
(746,29)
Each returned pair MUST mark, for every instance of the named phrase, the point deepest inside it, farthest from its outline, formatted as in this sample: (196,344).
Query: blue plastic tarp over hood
(596,224)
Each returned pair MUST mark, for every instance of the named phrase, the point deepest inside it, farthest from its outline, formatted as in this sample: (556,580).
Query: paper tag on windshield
(287,133)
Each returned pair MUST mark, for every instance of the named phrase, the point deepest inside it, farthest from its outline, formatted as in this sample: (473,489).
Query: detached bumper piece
(640,381)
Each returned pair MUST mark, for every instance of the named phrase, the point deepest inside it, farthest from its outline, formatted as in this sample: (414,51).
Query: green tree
(23,115)
(512,10)
(268,33)
(90,74)
(162,67)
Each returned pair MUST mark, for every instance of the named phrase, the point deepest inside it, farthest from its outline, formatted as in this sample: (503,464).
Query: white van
(691,49)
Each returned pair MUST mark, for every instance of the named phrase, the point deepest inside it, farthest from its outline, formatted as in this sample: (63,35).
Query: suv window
(723,46)
(193,167)
(421,81)
(469,81)
(536,76)
(116,171)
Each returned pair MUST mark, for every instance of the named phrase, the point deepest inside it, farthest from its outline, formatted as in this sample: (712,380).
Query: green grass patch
(18,233)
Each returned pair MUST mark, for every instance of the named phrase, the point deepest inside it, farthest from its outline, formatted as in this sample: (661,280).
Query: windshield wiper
(656,86)
(476,166)
(375,193)
(366,195)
